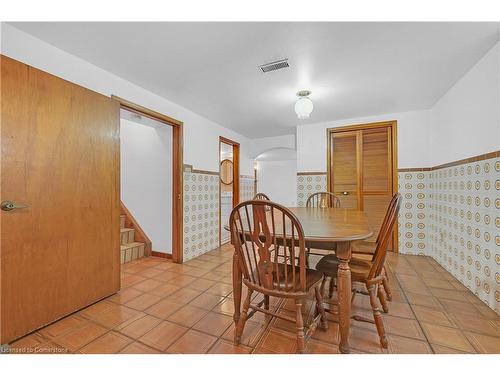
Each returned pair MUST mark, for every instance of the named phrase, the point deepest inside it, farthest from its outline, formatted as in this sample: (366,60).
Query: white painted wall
(201,136)
(465,122)
(413,140)
(146,179)
(276,160)
(259,145)
(278,180)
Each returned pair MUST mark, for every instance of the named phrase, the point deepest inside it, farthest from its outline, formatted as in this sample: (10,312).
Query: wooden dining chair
(322,199)
(271,251)
(369,273)
(261,196)
(363,247)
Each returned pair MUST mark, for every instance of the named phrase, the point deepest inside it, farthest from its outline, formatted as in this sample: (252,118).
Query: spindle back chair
(270,246)
(369,272)
(323,199)
(261,196)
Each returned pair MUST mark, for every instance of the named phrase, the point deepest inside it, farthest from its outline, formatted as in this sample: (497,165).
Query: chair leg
(372,289)
(354,292)
(323,282)
(266,301)
(383,302)
(320,310)
(387,288)
(308,250)
(333,281)
(243,318)
(299,323)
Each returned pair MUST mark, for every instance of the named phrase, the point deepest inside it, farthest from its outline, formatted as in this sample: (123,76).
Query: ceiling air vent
(275,65)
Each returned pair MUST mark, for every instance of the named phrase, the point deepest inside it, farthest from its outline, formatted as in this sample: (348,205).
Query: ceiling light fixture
(304,105)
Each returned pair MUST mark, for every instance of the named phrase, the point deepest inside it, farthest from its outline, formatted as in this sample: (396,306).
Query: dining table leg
(237,286)
(344,294)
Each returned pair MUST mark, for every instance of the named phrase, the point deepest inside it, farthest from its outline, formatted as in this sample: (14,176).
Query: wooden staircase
(129,248)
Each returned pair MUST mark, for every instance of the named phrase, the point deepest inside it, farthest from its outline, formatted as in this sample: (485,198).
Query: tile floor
(169,308)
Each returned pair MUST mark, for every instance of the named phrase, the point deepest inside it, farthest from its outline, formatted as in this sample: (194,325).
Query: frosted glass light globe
(303,107)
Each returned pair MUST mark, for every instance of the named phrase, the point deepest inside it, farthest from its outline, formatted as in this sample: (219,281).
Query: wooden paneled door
(362,169)
(60,245)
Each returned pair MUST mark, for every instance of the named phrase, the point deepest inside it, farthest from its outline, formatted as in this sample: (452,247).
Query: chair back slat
(323,199)
(269,241)
(385,235)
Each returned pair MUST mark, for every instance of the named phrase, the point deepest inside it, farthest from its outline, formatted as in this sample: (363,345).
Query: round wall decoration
(226,172)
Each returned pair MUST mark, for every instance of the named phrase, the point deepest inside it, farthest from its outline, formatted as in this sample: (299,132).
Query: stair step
(131,251)
(122,221)
(127,235)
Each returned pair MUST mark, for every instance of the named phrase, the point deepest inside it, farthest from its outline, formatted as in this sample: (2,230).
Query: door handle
(10,206)
(345,193)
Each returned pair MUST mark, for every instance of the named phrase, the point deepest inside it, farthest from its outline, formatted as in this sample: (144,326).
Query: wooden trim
(359,166)
(146,111)
(392,124)
(472,159)
(177,171)
(201,171)
(369,125)
(161,255)
(310,173)
(236,176)
(236,168)
(414,169)
(228,141)
(188,168)
(140,235)
(178,194)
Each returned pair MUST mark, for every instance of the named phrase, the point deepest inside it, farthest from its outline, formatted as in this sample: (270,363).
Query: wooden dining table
(325,228)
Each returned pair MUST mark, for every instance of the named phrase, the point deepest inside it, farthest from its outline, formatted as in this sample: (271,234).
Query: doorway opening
(362,169)
(229,183)
(151,182)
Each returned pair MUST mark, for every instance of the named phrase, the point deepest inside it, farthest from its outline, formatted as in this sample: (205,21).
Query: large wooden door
(362,164)
(60,158)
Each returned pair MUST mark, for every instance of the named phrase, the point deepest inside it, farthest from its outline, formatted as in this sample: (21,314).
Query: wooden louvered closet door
(362,169)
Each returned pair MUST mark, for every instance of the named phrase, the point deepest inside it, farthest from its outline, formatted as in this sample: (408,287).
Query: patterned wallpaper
(464,225)
(201,213)
(307,184)
(247,188)
(201,210)
(451,214)
(412,221)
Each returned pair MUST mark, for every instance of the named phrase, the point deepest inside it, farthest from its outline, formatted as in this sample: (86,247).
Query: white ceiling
(353,69)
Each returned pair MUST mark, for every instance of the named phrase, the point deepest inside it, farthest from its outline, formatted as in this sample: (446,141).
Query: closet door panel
(377,175)
(345,168)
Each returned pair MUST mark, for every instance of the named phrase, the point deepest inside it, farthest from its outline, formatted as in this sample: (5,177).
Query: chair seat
(359,268)
(363,247)
(312,277)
